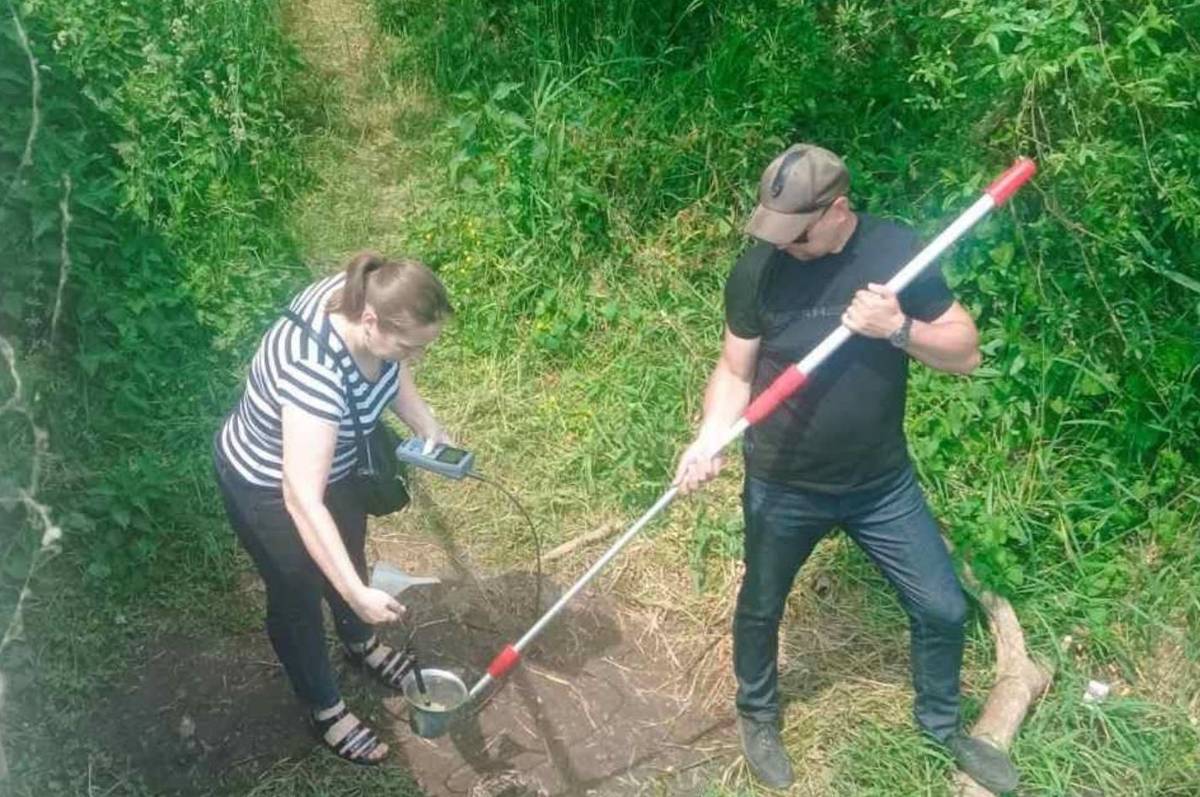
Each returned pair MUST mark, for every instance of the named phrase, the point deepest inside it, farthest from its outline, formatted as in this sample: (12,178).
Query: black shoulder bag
(378,475)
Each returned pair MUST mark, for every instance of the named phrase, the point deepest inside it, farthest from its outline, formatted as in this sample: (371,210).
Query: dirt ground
(592,709)
(595,708)
(199,712)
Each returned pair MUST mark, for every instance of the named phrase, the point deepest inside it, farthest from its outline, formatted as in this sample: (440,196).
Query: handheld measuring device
(453,463)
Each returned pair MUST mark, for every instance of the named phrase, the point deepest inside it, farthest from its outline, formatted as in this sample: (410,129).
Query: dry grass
(1169,674)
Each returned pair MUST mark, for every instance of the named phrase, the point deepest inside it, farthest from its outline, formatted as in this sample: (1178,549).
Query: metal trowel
(393,580)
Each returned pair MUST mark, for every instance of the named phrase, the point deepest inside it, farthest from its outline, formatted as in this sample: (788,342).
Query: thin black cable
(537,540)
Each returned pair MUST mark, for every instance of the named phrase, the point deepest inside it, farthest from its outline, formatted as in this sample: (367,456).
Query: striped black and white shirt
(289,368)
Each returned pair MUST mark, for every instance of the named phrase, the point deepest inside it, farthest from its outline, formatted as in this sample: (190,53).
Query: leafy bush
(613,148)
(164,154)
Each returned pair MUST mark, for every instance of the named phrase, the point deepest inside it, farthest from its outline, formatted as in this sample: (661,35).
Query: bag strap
(360,439)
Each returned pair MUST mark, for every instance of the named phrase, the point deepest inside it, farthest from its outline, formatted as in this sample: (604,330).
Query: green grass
(587,324)
(582,195)
(317,778)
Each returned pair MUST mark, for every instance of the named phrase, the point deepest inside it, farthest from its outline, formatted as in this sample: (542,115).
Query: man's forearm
(949,346)
(725,398)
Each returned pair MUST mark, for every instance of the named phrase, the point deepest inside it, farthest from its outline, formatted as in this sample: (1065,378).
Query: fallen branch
(16,402)
(64,265)
(26,496)
(35,94)
(578,542)
(1019,680)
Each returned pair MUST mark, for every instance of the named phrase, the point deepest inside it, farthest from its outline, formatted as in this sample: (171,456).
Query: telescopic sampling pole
(784,385)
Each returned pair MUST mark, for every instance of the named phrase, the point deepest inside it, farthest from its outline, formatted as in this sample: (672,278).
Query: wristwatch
(899,338)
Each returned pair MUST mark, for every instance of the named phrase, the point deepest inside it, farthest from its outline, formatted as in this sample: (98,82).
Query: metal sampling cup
(430,714)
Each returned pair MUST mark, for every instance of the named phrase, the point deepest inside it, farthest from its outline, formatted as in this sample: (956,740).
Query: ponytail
(352,297)
(402,292)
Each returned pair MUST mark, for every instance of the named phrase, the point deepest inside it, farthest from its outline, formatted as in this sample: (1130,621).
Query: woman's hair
(404,292)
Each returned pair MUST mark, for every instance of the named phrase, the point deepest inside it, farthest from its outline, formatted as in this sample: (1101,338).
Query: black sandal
(391,669)
(355,746)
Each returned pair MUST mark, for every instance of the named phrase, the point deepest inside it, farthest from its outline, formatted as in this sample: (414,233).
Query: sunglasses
(802,238)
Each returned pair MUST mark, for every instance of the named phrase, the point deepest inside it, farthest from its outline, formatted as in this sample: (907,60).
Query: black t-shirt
(844,429)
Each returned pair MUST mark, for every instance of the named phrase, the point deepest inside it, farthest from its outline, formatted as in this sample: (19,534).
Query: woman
(285,460)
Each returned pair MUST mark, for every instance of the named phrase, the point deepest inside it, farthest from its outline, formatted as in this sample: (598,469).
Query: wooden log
(1019,681)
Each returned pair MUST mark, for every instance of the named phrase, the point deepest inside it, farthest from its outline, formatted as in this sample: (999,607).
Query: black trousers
(295,585)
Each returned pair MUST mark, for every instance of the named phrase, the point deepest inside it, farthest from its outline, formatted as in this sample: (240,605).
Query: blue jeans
(894,527)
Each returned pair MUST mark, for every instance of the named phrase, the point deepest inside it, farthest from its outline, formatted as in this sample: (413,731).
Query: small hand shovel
(393,580)
(432,706)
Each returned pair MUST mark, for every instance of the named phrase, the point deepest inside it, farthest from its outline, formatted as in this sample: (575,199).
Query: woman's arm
(412,409)
(308,446)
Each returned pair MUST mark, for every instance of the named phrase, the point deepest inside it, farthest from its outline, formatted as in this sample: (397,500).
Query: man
(835,453)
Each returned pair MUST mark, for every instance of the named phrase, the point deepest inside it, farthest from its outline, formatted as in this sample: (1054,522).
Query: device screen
(450,456)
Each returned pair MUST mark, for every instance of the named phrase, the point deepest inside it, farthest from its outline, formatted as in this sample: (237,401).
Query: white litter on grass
(1096,691)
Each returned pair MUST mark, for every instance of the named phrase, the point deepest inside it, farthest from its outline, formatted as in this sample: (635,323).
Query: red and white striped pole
(784,386)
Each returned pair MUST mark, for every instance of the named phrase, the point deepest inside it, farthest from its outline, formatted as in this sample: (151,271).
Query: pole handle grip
(504,662)
(784,385)
(1008,183)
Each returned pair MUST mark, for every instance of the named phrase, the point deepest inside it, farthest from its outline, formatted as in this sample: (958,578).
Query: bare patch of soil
(198,713)
(592,709)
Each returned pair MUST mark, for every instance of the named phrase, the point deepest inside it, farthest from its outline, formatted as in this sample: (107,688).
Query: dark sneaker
(764,752)
(986,763)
